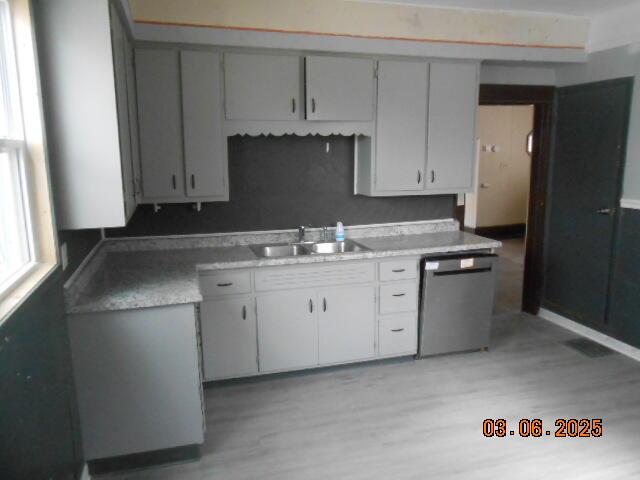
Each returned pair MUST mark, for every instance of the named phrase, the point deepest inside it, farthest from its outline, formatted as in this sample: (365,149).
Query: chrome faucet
(301,234)
(325,233)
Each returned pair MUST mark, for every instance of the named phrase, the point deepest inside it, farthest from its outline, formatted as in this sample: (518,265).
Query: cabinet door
(401,129)
(287,330)
(453,101)
(346,324)
(119,45)
(204,143)
(339,88)
(262,87)
(137,380)
(229,343)
(160,119)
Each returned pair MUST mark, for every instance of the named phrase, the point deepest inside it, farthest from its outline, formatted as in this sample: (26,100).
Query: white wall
(605,65)
(504,169)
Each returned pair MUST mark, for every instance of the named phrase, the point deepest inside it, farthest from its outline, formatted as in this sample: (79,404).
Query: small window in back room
(16,245)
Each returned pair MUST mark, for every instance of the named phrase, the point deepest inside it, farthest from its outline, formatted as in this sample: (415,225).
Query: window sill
(31,278)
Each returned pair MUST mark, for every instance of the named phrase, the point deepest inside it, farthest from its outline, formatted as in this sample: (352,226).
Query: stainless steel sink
(337,247)
(280,250)
(296,249)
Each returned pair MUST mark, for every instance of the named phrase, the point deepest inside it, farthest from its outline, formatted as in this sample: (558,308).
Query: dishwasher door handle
(465,271)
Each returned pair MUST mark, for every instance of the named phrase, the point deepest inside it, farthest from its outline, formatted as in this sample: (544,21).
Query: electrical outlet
(64,256)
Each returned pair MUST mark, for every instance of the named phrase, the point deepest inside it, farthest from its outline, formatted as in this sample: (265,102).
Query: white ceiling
(585,8)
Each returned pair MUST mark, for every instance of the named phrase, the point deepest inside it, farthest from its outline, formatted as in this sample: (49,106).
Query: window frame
(24,140)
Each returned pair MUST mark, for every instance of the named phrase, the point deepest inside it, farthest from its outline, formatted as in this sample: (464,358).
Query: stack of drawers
(398,307)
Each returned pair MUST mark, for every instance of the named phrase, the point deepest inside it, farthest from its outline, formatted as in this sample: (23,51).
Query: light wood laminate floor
(422,419)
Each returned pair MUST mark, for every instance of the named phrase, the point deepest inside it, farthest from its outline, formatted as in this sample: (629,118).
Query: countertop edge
(196,295)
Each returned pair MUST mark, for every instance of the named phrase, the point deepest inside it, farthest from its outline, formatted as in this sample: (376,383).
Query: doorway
(499,207)
(522,206)
(589,153)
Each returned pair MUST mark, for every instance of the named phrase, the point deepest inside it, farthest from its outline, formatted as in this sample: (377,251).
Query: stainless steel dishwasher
(457,303)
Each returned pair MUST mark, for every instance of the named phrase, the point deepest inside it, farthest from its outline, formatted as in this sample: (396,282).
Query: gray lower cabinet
(228,329)
(346,324)
(287,330)
(306,316)
(137,378)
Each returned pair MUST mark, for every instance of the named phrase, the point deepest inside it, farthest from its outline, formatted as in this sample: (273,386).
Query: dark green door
(587,167)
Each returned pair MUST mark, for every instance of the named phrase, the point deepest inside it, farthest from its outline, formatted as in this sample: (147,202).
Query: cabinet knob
(313,105)
(396,330)
(310,306)
(399,294)
(419,176)
(244,312)
(293,105)
(433,176)
(324,304)
(193,181)
(173,181)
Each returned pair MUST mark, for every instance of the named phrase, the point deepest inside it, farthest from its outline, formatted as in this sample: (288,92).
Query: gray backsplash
(282,182)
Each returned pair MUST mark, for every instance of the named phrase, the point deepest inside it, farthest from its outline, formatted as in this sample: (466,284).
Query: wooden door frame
(542,98)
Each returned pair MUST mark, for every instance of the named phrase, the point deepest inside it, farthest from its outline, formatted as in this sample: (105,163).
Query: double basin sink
(297,249)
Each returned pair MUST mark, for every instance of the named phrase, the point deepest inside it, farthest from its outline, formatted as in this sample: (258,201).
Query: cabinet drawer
(398,297)
(398,335)
(225,283)
(311,276)
(398,270)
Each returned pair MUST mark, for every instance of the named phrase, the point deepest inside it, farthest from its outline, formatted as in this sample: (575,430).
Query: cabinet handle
(193,181)
(397,330)
(313,105)
(244,312)
(324,304)
(293,105)
(399,294)
(225,284)
(433,176)
(173,181)
(605,211)
(419,176)
(400,270)
(310,306)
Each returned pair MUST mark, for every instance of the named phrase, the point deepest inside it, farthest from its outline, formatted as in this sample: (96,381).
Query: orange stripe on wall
(347,35)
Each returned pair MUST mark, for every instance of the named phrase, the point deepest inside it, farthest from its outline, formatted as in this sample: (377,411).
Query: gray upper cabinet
(339,88)
(401,128)
(85,103)
(120,45)
(262,87)
(453,100)
(424,141)
(205,147)
(160,117)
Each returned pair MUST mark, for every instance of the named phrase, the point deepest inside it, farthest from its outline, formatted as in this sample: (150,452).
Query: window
(16,239)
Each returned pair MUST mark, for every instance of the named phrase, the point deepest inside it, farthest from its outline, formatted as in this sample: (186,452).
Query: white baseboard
(85,473)
(591,334)
(630,203)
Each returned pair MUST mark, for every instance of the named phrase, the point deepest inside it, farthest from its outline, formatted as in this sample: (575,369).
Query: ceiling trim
(347,35)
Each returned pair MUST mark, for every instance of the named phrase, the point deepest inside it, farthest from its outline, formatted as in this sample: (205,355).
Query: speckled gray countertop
(125,273)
